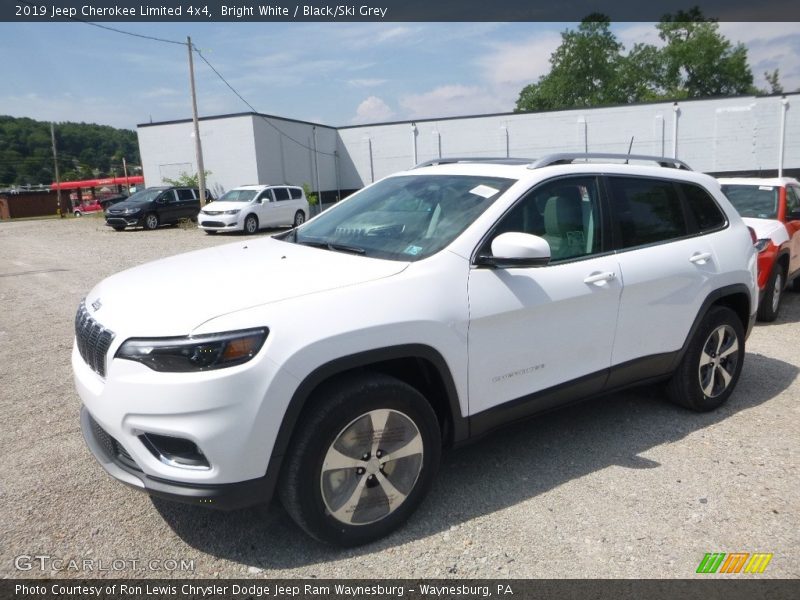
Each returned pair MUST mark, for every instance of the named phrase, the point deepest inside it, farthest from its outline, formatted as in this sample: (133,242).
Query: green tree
(699,61)
(774,81)
(584,70)
(590,67)
(186,180)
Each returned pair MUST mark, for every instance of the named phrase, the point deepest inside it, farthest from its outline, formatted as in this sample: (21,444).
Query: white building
(743,135)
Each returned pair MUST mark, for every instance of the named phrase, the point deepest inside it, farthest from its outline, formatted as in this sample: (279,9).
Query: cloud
(363,83)
(372,110)
(451,100)
(520,62)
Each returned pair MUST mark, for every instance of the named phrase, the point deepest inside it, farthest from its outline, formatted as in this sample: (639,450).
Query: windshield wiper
(330,246)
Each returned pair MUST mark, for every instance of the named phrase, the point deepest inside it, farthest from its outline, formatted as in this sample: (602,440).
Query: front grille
(212,213)
(93,340)
(212,224)
(111,446)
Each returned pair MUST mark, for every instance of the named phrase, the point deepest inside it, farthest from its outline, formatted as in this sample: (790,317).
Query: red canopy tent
(90,183)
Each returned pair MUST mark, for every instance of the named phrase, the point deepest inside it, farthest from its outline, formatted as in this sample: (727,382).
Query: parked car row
(246,209)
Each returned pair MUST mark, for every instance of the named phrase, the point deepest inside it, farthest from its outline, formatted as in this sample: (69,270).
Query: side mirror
(515,249)
(793,216)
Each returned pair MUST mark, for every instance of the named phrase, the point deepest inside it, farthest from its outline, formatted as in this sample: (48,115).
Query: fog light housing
(175,451)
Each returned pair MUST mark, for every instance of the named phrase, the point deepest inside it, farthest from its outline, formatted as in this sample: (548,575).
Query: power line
(266,120)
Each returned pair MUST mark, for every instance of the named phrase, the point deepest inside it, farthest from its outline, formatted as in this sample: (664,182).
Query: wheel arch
(420,366)
(736,297)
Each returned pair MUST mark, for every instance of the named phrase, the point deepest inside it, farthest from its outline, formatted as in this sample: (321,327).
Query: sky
(331,73)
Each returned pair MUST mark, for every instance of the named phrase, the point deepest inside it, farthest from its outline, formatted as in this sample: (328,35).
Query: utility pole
(125,170)
(55,162)
(198,148)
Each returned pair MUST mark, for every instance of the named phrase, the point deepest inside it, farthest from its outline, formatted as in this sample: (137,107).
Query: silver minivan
(249,208)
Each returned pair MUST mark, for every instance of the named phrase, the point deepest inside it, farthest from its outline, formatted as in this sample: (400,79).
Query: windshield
(145,195)
(406,218)
(238,196)
(759,201)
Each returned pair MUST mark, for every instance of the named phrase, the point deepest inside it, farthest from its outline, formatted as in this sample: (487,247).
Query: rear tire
(77,213)
(339,482)
(771,301)
(299,218)
(708,373)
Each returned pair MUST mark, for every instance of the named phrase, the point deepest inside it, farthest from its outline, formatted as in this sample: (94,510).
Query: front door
(532,329)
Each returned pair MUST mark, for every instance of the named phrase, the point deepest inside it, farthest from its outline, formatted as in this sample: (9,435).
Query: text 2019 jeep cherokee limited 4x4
(429,308)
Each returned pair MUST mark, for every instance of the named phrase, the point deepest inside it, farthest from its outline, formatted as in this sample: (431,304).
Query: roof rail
(570,157)
(473,159)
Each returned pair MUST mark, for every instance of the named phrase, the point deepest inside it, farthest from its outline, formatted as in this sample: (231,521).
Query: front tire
(151,221)
(708,373)
(250,225)
(361,461)
(771,302)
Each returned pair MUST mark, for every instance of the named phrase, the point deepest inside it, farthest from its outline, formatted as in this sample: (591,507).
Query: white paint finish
(531,329)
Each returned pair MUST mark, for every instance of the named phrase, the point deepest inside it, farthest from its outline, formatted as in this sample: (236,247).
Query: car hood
(220,206)
(767,229)
(175,295)
(126,204)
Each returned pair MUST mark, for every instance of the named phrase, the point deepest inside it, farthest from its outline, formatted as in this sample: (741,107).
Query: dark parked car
(155,206)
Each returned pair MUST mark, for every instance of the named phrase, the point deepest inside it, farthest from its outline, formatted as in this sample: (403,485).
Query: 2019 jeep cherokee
(422,312)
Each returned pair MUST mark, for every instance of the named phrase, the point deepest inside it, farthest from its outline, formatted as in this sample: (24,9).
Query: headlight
(762,244)
(200,353)
(233,212)
(130,211)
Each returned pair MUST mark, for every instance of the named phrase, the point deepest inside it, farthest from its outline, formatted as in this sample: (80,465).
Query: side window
(565,212)
(707,215)
(169,196)
(281,194)
(185,194)
(296,193)
(265,196)
(645,211)
(792,200)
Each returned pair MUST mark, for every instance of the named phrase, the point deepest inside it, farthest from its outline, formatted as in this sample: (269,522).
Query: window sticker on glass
(765,187)
(413,250)
(484,191)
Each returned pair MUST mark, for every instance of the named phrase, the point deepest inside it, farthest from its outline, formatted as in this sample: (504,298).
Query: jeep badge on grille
(96,305)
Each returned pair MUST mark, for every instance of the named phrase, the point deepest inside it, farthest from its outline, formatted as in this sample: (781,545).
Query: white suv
(252,207)
(424,311)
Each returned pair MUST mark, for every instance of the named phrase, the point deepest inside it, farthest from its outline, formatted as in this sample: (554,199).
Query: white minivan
(249,208)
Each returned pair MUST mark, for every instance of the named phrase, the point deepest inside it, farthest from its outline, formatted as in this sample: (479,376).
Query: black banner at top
(387,10)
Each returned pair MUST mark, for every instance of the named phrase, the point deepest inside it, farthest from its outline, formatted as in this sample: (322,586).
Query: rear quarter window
(707,215)
(296,193)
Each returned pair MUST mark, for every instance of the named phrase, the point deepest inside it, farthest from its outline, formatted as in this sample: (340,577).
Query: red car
(772,208)
(86,207)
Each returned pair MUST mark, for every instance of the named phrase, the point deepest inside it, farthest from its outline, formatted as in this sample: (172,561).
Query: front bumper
(124,220)
(218,222)
(117,463)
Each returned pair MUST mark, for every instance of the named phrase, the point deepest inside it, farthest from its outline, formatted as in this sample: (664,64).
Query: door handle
(600,277)
(700,257)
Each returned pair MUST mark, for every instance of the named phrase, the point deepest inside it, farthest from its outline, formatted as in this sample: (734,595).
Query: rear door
(188,203)
(667,268)
(284,206)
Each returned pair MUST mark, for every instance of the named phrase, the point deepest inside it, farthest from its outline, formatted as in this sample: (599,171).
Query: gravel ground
(624,486)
